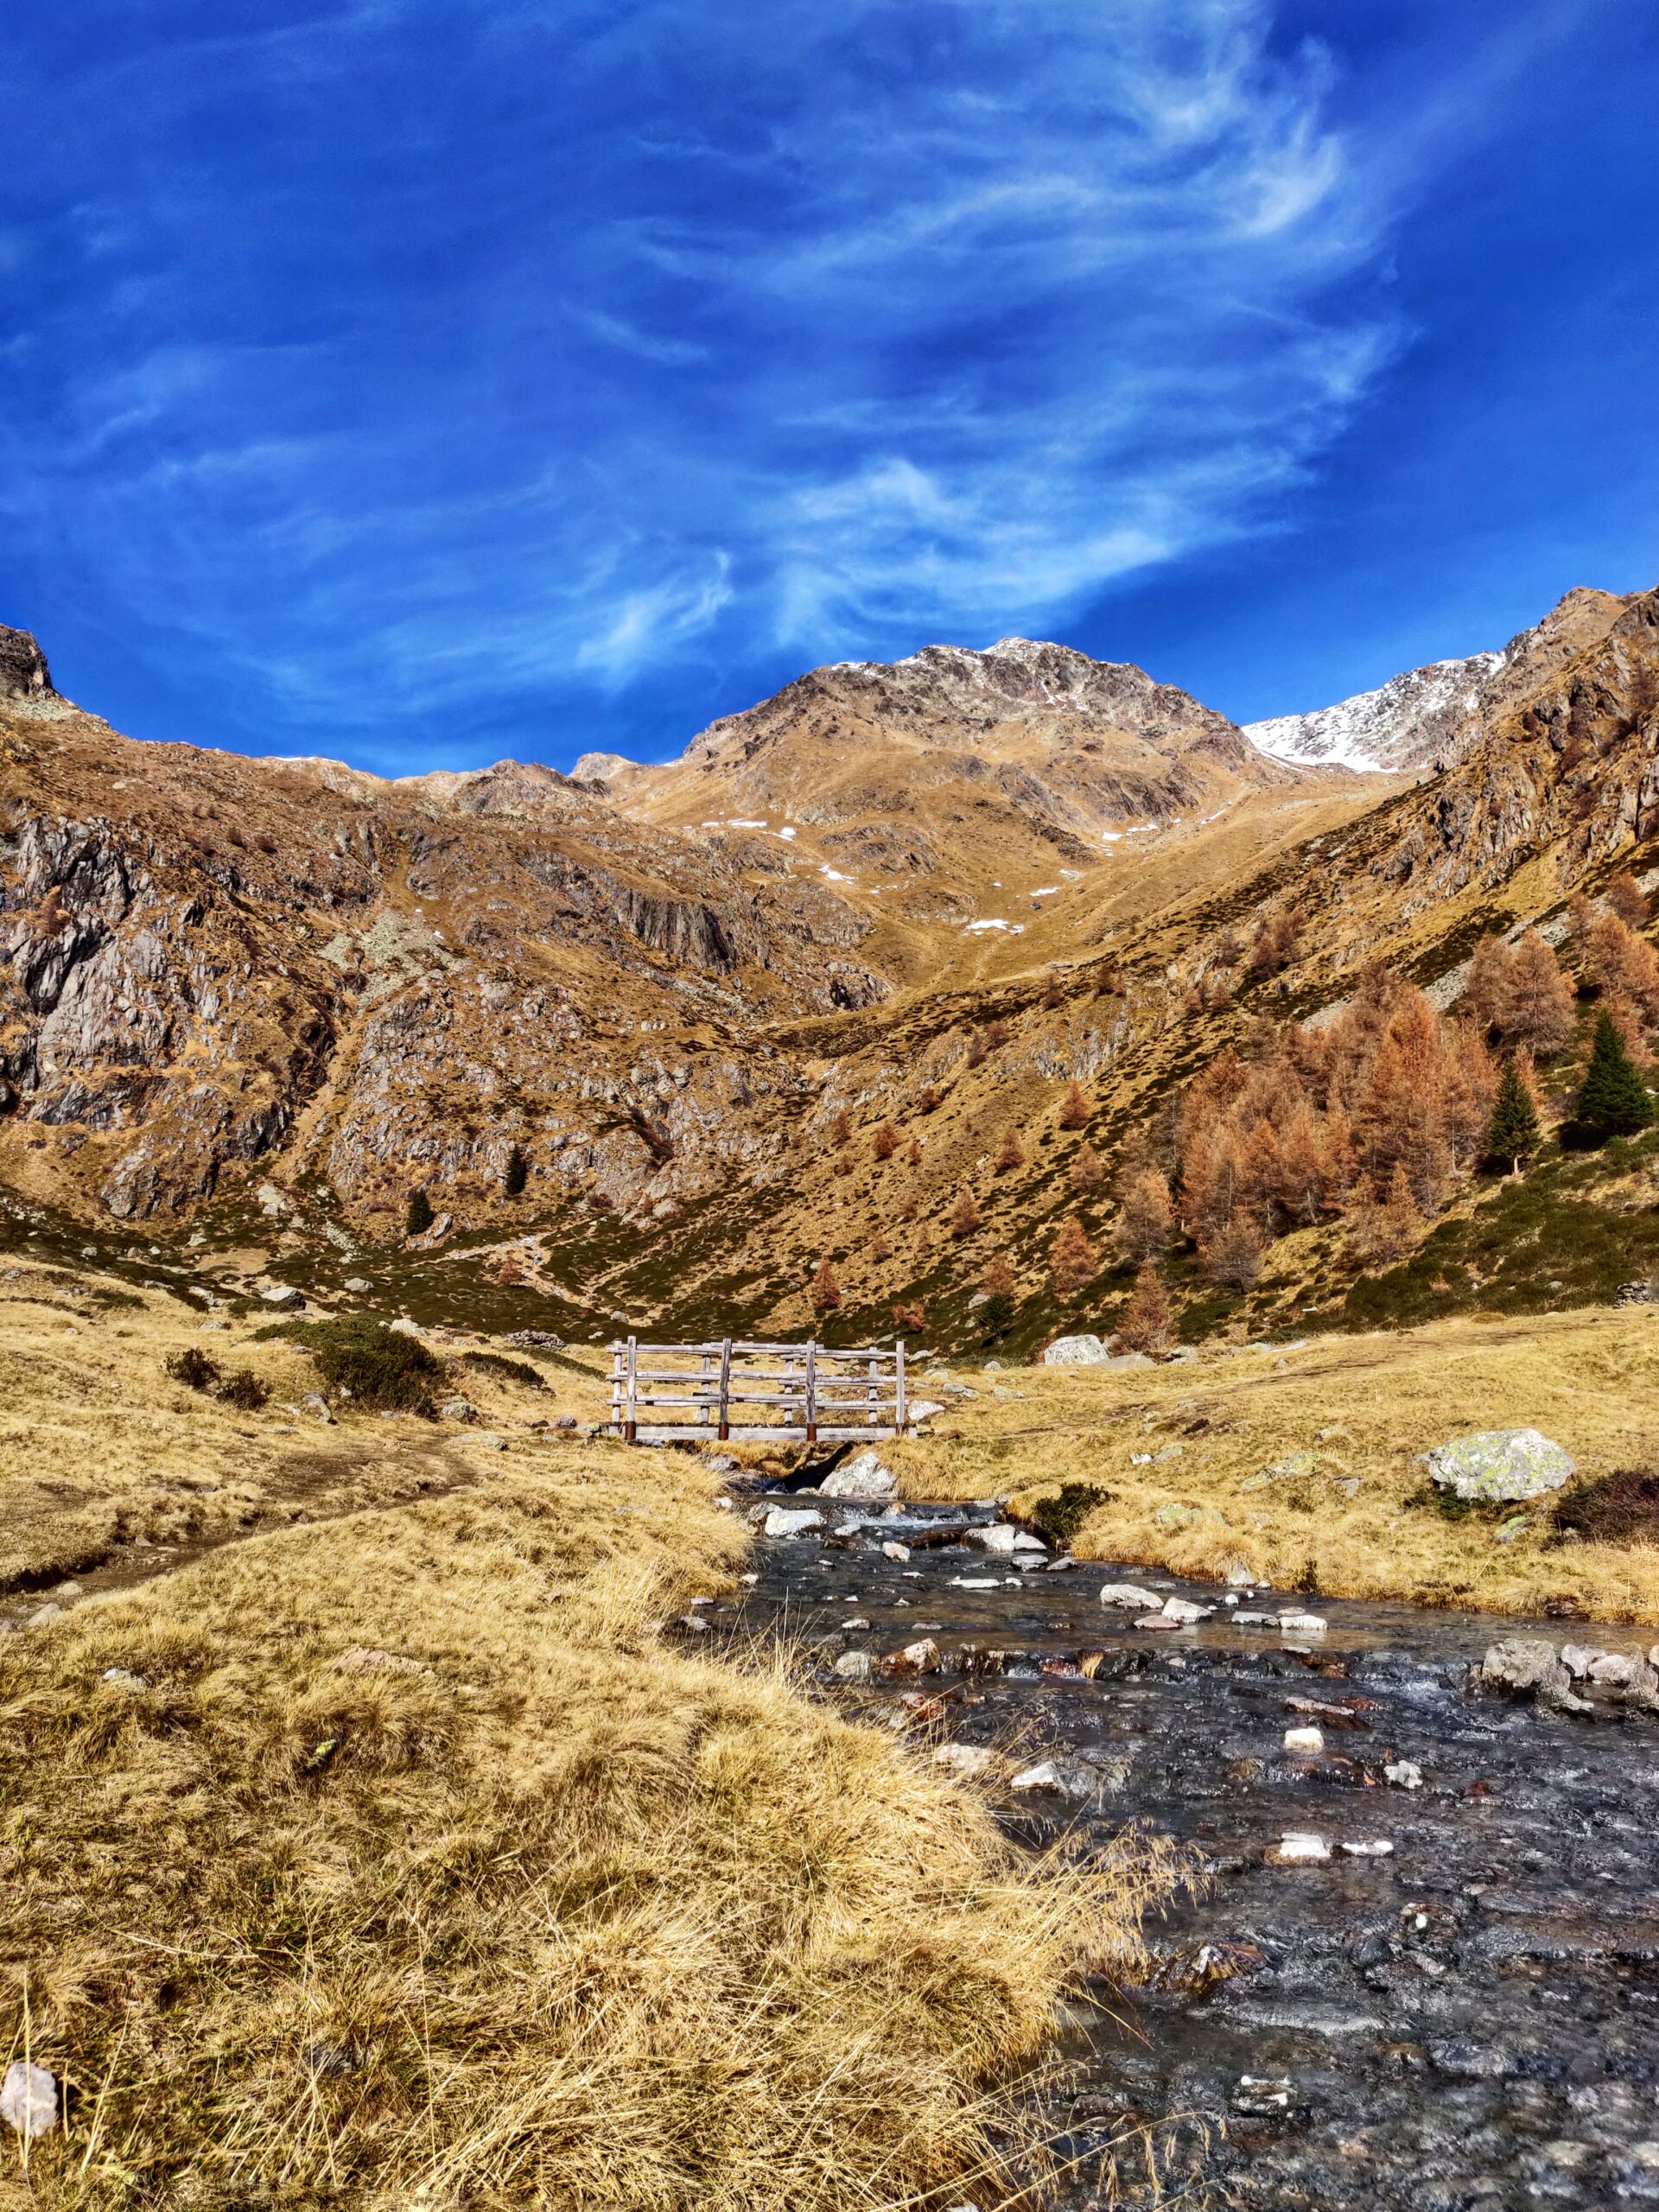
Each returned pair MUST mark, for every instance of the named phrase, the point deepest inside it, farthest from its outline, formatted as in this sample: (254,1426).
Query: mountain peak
(23,671)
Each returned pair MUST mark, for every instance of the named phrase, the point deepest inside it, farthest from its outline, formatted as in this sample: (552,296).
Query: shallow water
(1470,2021)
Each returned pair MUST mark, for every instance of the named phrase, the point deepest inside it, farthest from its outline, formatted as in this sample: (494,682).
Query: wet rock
(791,1521)
(1525,1665)
(1404,1773)
(862,1477)
(899,1553)
(1302,1624)
(1373,1847)
(29,2099)
(1184,1611)
(1500,1463)
(1300,1847)
(1304,1740)
(1003,1539)
(1260,2096)
(855,1666)
(966,1762)
(1130,1596)
(921,1657)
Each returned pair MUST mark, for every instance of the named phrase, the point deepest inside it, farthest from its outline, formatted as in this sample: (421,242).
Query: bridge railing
(722,1388)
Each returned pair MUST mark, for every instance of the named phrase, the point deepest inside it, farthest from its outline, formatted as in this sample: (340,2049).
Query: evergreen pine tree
(1514,1134)
(1612,1101)
(419,1218)
(518,1174)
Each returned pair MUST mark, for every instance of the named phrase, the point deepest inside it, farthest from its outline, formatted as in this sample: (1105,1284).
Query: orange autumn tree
(825,1292)
(1072,1261)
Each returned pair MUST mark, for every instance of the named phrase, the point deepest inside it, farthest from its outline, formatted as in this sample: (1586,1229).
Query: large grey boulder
(1500,1463)
(862,1477)
(1529,1666)
(1075,1351)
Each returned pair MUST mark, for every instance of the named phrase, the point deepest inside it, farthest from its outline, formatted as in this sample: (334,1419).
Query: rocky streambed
(1420,1968)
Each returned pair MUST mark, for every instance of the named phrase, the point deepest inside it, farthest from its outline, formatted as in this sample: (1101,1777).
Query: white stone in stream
(1160,1620)
(1302,1624)
(29,2099)
(1182,1610)
(1618,1668)
(1404,1774)
(863,1476)
(1304,1740)
(899,1552)
(966,1762)
(975,1581)
(853,1665)
(791,1521)
(1130,1596)
(1044,1776)
(1374,1847)
(1301,1849)
(1003,1539)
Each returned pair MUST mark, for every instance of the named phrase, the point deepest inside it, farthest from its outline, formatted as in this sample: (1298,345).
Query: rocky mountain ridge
(1428,718)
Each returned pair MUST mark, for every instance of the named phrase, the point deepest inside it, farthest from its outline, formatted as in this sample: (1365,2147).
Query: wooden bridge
(756,1394)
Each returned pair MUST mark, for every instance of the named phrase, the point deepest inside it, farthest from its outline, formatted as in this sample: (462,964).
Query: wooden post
(616,1386)
(702,1390)
(633,1389)
(812,1390)
(874,1394)
(725,1388)
(898,1392)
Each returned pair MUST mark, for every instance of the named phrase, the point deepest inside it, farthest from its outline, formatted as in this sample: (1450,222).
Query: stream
(1457,2011)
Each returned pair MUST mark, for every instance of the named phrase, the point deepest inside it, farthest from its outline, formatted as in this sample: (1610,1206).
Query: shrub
(1621,1508)
(825,1292)
(1000,1288)
(514,1371)
(518,1174)
(886,1142)
(380,1368)
(1059,1517)
(840,1129)
(418,1217)
(243,1390)
(1011,1153)
(192,1368)
(910,1317)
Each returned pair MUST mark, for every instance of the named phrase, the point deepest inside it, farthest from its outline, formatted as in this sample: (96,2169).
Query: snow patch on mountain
(1425,715)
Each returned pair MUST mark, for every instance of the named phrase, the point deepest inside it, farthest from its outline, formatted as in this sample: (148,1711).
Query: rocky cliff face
(23,674)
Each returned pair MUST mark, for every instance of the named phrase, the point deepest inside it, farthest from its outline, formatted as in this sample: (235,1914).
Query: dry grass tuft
(421,1871)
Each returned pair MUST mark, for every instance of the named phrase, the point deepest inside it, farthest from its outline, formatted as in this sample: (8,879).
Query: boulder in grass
(1499,1464)
(29,2099)
(1075,1351)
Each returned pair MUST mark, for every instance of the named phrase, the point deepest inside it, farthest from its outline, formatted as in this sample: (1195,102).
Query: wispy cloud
(502,364)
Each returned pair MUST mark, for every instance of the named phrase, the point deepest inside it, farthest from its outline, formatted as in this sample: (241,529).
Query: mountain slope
(1428,717)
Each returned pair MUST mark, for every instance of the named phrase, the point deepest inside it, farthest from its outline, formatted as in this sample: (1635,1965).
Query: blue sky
(424,383)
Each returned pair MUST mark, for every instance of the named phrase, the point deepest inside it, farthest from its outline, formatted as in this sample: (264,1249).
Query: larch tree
(825,1292)
(1541,1009)
(1010,1153)
(1623,898)
(1146,1323)
(1145,1222)
(1088,1172)
(1000,1289)
(1072,1261)
(964,1215)
(1075,1109)
(1233,1258)
(886,1142)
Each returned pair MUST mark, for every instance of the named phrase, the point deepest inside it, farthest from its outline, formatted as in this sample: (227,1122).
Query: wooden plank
(725,1388)
(898,1407)
(633,1356)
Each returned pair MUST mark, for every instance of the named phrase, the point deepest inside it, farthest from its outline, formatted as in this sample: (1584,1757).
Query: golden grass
(549,1911)
(1357,1523)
